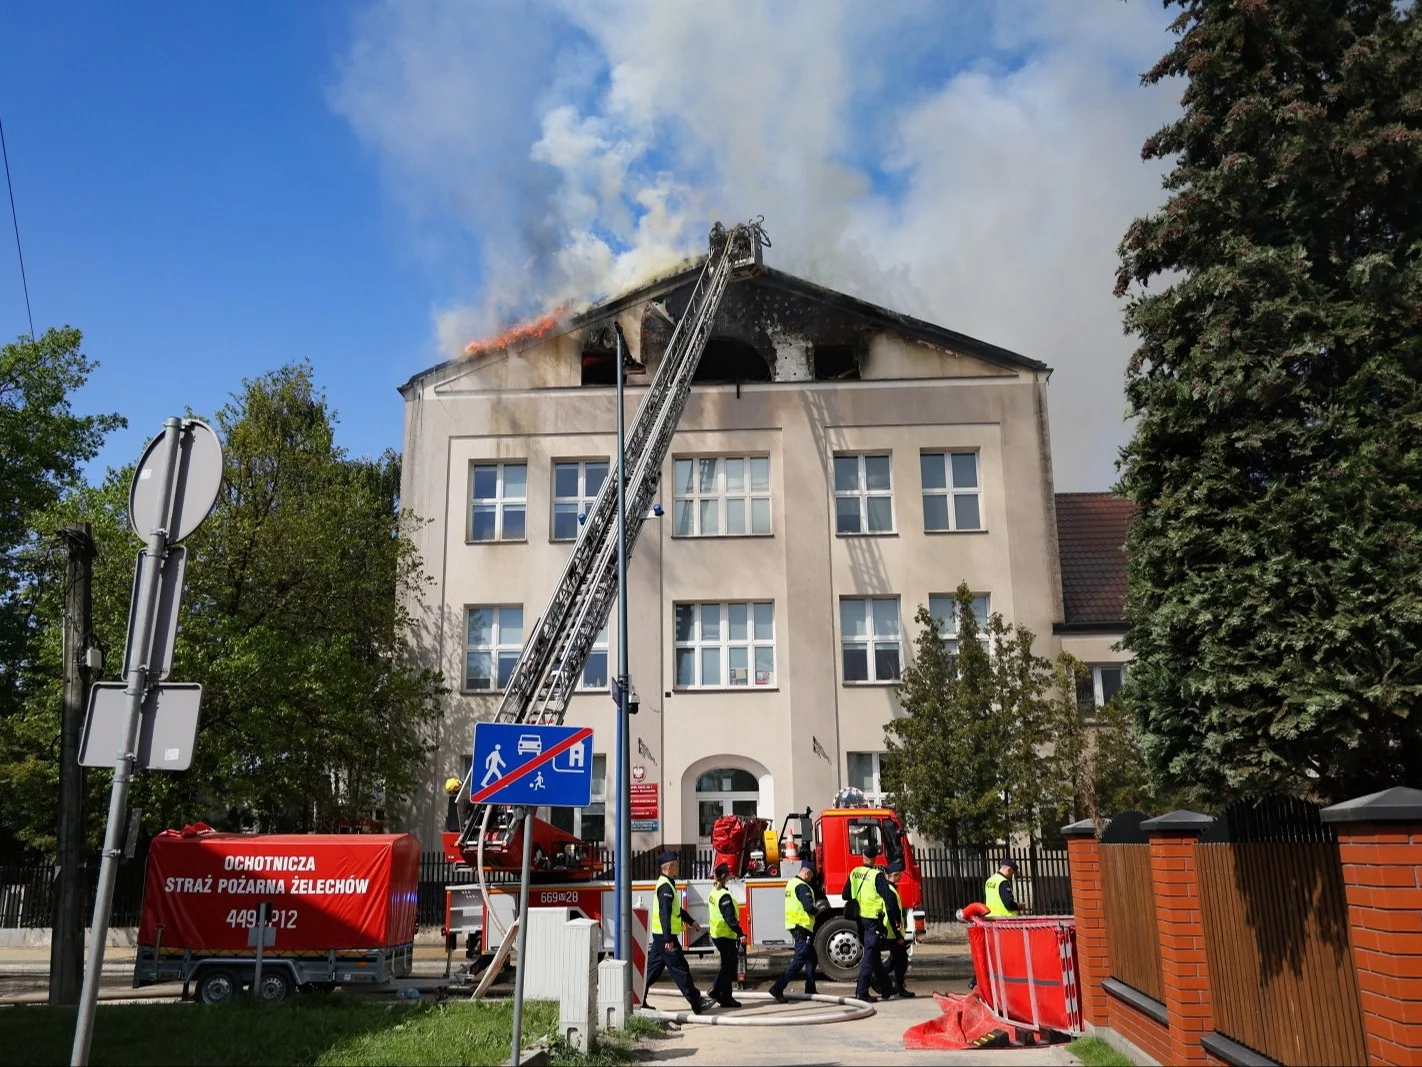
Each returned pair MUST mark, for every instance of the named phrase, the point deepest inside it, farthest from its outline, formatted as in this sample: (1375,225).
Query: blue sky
(211,190)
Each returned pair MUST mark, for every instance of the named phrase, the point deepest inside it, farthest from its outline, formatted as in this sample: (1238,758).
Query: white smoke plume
(973,166)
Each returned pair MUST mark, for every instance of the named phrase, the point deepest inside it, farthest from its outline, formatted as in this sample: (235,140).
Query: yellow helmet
(451,785)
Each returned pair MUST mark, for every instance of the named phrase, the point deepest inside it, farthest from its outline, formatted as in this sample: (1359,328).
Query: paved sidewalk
(861,1043)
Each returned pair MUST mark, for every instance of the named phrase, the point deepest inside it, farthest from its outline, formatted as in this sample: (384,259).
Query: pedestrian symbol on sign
(494,766)
(538,781)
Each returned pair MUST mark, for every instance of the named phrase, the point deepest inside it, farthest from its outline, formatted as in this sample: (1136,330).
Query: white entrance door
(725,791)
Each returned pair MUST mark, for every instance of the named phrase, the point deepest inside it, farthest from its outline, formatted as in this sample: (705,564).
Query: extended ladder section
(558,644)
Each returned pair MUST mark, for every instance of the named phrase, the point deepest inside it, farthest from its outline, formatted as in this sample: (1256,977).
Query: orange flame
(526,331)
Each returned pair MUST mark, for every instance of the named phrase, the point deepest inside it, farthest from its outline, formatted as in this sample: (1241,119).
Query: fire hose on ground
(852,1009)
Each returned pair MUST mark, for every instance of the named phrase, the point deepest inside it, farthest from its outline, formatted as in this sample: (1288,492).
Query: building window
(950,491)
(595,666)
(863,495)
(575,488)
(869,639)
(865,770)
(589,823)
(1097,689)
(945,609)
(495,640)
(725,791)
(725,645)
(722,496)
(499,500)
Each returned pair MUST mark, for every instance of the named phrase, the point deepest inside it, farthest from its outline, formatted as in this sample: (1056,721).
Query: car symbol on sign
(530,744)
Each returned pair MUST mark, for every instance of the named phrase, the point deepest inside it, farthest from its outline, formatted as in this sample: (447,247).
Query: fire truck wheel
(839,950)
(217,986)
(276,985)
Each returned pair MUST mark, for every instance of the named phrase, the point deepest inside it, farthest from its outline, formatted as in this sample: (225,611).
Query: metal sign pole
(623,929)
(124,760)
(522,971)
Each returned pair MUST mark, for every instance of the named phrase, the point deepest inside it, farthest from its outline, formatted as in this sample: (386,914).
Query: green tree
(293,620)
(43,444)
(1275,597)
(986,743)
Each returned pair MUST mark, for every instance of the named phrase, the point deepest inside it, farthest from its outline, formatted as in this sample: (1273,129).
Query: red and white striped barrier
(640,941)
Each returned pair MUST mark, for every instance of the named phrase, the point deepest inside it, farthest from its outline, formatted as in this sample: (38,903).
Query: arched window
(724,791)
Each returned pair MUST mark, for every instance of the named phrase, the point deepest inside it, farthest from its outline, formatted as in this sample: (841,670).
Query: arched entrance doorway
(724,791)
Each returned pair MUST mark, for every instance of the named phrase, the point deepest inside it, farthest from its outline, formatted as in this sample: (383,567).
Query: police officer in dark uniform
(869,888)
(668,920)
(726,934)
(800,910)
(898,935)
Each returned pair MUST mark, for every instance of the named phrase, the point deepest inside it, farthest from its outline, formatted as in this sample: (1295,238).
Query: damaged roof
(1091,539)
(905,325)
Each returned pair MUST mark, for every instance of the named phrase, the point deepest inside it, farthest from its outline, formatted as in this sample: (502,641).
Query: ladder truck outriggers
(547,672)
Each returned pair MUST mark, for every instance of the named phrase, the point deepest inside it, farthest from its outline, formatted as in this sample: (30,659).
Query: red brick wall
(1382,876)
(1145,1033)
(1182,944)
(1093,962)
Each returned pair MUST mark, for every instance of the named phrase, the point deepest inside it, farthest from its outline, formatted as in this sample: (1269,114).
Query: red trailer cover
(325,891)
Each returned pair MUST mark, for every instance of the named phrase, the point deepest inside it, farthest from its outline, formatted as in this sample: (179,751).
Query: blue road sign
(516,764)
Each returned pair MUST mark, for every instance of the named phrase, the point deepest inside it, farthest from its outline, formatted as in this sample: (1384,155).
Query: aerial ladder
(552,658)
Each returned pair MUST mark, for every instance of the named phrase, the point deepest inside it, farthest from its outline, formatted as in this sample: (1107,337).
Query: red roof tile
(1091,538)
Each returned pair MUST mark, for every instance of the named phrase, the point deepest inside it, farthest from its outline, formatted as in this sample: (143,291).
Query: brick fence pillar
(1380,848)
(1182,933)
(1092,960)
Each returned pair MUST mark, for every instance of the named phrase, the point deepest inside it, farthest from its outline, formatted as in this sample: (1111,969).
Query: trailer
(339,909)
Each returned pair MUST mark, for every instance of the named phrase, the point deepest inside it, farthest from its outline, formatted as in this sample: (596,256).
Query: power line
(16,220)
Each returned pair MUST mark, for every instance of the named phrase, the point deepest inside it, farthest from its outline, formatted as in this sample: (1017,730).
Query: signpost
(529,766)
(173,490)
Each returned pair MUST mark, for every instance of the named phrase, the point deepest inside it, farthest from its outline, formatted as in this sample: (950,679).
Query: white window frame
(876,795)
(500,501)
(950,491)
(598,801)
(1097,689)
(872,641)
(948,625)
(863,494)
(583,501)
(497,648)
(720,496)
(601,643)
(723,643)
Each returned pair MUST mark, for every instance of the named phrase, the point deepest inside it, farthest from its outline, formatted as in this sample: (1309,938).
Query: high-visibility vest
(992,897)
(861,884)
(897,932)
(795,913)
(657,908)
(719,926)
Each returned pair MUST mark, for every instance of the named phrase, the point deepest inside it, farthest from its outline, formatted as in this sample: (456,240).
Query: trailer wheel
(217,986)
(839,949)
(276,985)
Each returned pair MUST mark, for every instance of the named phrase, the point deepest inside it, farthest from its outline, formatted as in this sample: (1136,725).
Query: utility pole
(623,889)
(66,952)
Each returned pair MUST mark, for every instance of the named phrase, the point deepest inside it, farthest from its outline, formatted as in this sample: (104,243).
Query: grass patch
(1097,1052)
(332,1032)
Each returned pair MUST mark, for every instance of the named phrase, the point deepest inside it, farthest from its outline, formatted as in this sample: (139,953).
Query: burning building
(838,464)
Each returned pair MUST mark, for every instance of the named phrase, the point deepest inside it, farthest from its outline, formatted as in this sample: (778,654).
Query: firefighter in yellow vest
(997,893)
(726,935)
(899,935)
(869,888)
(800,910)
(668,920)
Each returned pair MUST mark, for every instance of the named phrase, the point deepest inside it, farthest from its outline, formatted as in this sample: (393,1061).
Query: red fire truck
(835,841)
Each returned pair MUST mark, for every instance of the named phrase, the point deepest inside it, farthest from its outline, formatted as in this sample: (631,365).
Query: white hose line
(854,1009)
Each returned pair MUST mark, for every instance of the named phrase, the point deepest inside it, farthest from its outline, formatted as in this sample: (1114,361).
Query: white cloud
(975,169)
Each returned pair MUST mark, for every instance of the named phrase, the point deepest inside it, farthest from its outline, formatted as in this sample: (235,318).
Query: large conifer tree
(1276,570)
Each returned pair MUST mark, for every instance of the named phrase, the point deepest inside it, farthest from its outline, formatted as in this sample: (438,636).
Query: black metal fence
(951,879)
(954,877)
(27,895)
